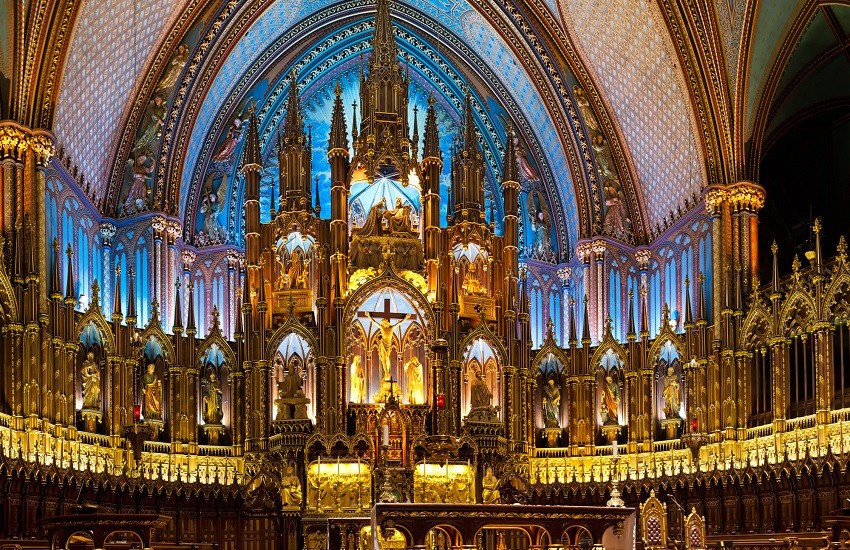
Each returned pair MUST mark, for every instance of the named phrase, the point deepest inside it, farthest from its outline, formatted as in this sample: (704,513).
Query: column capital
(41,143)
(746,195)
(188,259)
(642,256)
(13,141)
(174,230)
(583,250)
(107,231)
(159,225)
(599,247)
(564,274)
(235,259)
(715,195)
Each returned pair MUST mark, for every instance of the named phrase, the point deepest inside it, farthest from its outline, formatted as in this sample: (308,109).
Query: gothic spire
(190,317)
(55,284)
(688,317)
(470,138)
(573,329)
(293,124)
(116,309)
(251,155)
(384,49)
(631,314)
(431,146)
(510,170)
(178,309)
(644,320)
(414,139)
(585,329)
(701,299)
(70,294)
(131,294)
(775,249)
(339,134)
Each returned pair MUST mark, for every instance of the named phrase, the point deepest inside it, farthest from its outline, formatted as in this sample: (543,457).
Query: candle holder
(386,493)
(694,441)
(615,501)
(137,434)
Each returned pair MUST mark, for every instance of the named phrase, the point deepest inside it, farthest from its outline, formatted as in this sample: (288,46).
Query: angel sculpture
(212,204)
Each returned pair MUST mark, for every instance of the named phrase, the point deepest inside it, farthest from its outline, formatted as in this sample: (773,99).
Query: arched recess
(610,394)
(395,307)
(482,361)
(215,400)
(669,391)
(550,365)
(293,376)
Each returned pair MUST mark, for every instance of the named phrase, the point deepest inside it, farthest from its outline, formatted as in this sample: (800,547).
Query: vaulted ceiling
(679,95)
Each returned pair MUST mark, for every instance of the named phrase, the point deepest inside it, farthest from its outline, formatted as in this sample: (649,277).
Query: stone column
(583,251)
(107,231)
(171,275)
(564,274)
(158,226)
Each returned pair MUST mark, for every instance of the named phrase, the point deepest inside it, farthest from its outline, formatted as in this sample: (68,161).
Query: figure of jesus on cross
(385,345)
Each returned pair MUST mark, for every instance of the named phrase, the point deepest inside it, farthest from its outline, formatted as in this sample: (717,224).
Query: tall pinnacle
(510,170)
(251,155)
(339,133)
(293,125)
(432,133)
(384,48)
(470,139)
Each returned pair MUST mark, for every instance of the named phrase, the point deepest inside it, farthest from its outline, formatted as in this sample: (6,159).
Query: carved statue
(482,397)
(398,219)
(610,401)
(541,224)
(489,487)
(385,344)
(298,273)
(373,227)
(290,488)
(291,380)
(91,383)
(672,394)
(551,405)
(151,394)
(212,401)
(471,285)
(415,388)
(358,381)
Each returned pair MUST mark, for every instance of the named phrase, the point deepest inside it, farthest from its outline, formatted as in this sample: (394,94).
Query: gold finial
(338,89)
(842,248)
(795,265)
(774,248)
(816,227)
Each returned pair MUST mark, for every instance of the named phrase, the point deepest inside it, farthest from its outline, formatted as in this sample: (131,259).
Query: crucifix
(386,329)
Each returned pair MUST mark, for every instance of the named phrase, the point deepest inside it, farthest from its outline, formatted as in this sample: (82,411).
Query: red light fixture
(137,413)
(441,401)
(694,424)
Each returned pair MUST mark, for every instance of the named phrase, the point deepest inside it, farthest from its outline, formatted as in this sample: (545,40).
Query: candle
(614,449)
(386,439)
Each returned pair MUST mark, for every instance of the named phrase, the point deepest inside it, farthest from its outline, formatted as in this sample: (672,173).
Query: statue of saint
(212,401)
(358,381)
(672,394)
(551,405)
(541,224)
(415,388)
(489,487)
(471,285)
(398,219)
(385,345)
(298,271)
(373,226)
(481,397)
(290,488)
(291,380)
(610,401)
(151,394)
(91,383)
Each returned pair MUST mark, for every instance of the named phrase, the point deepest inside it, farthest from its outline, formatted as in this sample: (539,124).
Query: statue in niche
(415,386)
(141,168)
(175,67)
(385,342)
(151,394)
(211,206)
(489,487)
(471,285)
(586,111)
(551,405)
(398,219)
(358,381)
(298,272)
(91,383)
(481,397)
(610,400)
(290,488)
(373,227)
(291,379)
(213,400)
(672,394)
(541,225)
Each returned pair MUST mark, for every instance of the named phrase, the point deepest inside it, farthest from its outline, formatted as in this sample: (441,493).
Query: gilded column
(715,198)
(41,145)
(172,275)
(159,225)
(599,313)
(746,199)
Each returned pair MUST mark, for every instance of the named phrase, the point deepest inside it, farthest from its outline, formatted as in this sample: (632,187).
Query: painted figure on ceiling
(541,224)
(224,153)
(175,67)
(141,168)
(212,204)
(586,111)
(153,120)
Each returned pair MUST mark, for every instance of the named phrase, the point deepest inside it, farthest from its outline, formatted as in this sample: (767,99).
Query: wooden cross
(386,314)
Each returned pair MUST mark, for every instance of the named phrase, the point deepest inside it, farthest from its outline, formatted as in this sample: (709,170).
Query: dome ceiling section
(320,66)
(228,86)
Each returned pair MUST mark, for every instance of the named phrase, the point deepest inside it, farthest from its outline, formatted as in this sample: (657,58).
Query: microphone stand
(681,509)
